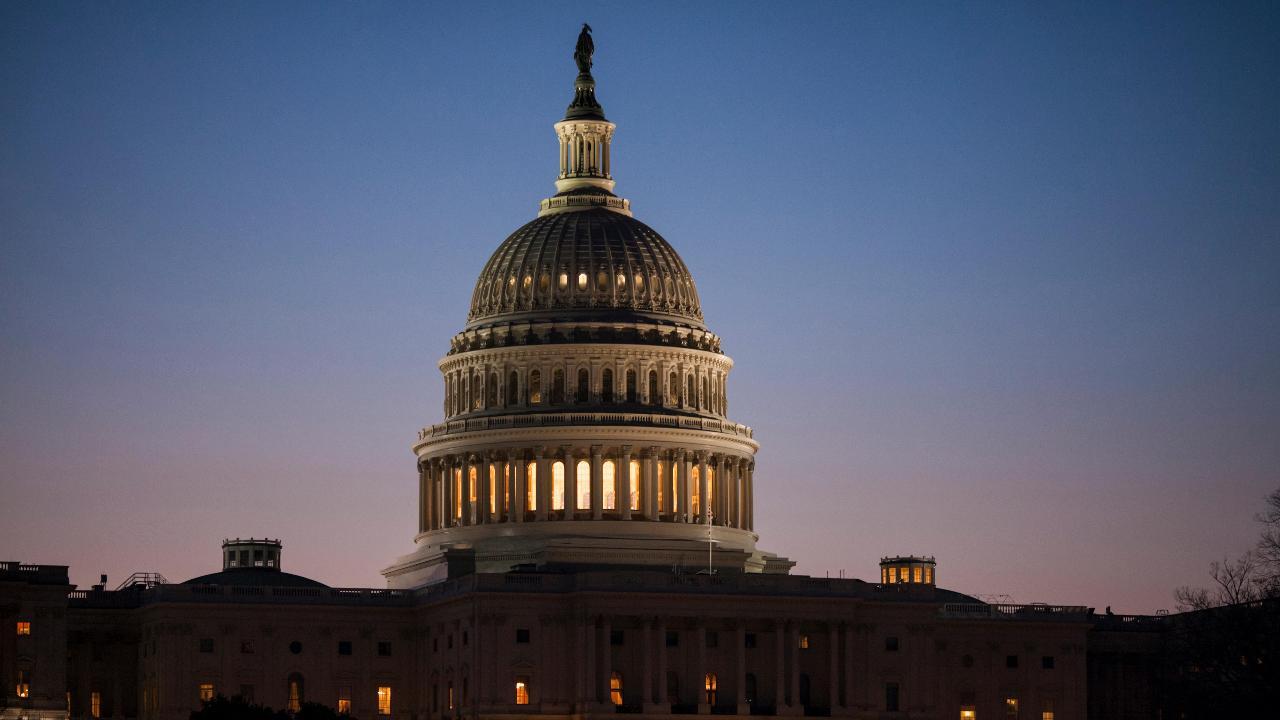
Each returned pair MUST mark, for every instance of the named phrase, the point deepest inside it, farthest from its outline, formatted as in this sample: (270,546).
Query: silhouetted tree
(237,708)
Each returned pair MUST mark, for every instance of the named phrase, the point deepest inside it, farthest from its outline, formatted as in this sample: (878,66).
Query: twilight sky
(1002,281)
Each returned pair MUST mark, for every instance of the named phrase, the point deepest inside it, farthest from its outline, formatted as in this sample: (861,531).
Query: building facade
(585,546)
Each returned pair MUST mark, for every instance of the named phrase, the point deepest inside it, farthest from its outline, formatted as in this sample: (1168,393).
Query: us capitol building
(585,545)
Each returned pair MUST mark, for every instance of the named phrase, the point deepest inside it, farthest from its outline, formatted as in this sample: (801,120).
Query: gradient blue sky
(1002,280)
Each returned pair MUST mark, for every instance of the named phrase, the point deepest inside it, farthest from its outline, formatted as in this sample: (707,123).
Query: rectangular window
(1046,662)
(384,699)
(804,642)
(95,704)
(24,684)
(917,574)
(344,699)
(522,635)
(344,647)
(891,697)
(1011,661)
(1047,713)
(968,713)
(522,689)
(749,640)
(206,645)
(713,639)
(617,637)
(206,692)
(928,575)
(891,644)
(24,627)
(1011,708)
(893,575)
(384,648)
(673,638)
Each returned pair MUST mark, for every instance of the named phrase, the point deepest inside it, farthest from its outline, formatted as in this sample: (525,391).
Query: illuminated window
(95,704)
(24,627)
(584,484)
(695,489)
(557,485)
(610,486)
(602,280)
(884,576)
(675,483)
(639,281)
(582,281)
(662,494)
(294,685)
(344,699)
(710,686)
(531,486)
(615,688)
(633,490)
(1011,707)
(968,713)
(206,692)
(527,283)
(24,684)
(917,574)
(471,484)
(522,681)
(457,492)
(384,699)
(804,642)
(563,281)
(544,282)
(535,387)
(493,489)
(448,694)
(893,575)
(620,280)
(1047,713)
(928,574)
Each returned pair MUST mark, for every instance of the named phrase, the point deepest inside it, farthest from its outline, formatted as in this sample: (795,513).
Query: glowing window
(968,713)
(522,689)
(527,283)
(615,688)
(804,642)
(893,575)
(639,281)
(344,699)
(884,576)
(493,489)
(602,280)
(928,575)
(471,483)
(711,686)
(24,627)
(610,486)
(448,695)
(531,486)
(1011,707)
(662,470)
(584,485)
(384,699)
(633,489)
(544,282)
(695,489)
(620,280)
(557,485)
(535,387)
(917,574)
(24,684)
(295,692)
(206,692)
(582,281)
(564,280)
(457,492)
(95,704)
(1047,713)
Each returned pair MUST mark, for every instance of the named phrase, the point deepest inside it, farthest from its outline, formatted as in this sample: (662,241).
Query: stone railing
(601,200)
(1034,611)
(12,570)
(134,597)
(507,422)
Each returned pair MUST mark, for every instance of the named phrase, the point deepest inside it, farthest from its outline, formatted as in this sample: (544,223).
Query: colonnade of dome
(596,482)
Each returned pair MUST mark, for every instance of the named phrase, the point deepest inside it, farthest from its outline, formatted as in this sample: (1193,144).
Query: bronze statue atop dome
(584,49)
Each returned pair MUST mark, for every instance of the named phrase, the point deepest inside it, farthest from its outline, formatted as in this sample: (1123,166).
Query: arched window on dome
(602,281)
(620,281)
(606,385)
(544,282)
(583,473)
(639,283)
(535,387)
(673,389)
(695,490)
(633,485)
(582,281)
(690,393)
(557,387)
(631,386)
(557,485)
(531,486)
(465,394)
(609,471)
(477,400)
(704,402)
(491,391)
(513,388)
(563,281)
(655,398)
(584,385)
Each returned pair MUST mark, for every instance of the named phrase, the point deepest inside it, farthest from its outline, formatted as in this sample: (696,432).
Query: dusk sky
(1001,280)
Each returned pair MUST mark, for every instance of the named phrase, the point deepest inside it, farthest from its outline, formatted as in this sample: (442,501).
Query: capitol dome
(586,405)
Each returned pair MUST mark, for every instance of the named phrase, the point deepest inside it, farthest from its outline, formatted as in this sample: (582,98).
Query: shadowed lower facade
(585,545)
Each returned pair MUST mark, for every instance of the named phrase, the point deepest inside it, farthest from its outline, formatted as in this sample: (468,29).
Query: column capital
(700,455)
(650,451)
(597,450)
(626,449)
(539,451)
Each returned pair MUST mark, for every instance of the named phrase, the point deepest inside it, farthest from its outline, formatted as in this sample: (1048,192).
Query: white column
(704,489)
(597,483)
(623,481)
(686,487)
(570,482)
(518,502)
(543,481)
